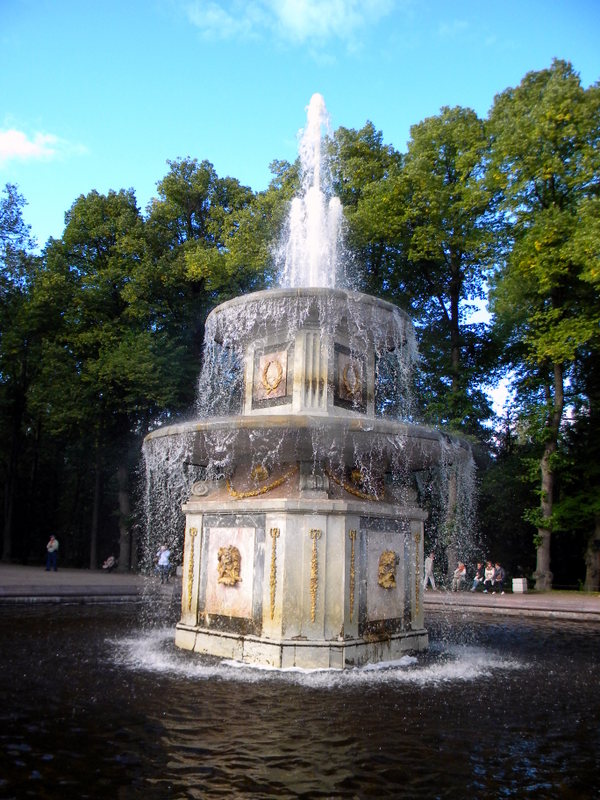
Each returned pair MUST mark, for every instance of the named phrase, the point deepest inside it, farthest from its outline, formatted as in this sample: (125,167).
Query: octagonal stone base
(312,583)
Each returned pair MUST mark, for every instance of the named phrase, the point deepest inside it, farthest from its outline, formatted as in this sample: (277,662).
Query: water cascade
(303,532)
(311,247)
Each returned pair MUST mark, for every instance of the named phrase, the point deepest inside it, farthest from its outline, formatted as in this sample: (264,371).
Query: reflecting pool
(92,706)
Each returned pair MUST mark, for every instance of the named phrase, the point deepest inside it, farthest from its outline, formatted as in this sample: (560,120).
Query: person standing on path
(52,554)
(164,565)
(429,572)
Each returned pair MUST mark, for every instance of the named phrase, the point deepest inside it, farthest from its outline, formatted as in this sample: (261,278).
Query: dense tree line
(101,334)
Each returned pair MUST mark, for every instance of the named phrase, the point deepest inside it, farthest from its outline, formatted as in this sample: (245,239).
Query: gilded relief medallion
(387,569)
(350,379)
(229,565)
(270,376)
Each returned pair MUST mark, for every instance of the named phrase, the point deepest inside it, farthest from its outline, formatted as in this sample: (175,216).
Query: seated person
(479,576)
(110,564)
(459,578)
(499,576)
(488,578)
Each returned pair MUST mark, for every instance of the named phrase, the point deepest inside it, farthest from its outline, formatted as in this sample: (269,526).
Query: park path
(33,584)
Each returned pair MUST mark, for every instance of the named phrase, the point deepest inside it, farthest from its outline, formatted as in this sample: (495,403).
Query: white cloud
(17,146)
(301,21)
(452,30)
(304,20)
(216,21)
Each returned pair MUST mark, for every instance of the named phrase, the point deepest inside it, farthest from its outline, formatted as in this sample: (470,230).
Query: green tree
(204,244)
(425,221)
(576,512)
(545,160)
(19,348)
(115,370)
(364,169)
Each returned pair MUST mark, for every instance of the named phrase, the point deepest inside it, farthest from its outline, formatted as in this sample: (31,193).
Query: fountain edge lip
(370,425)
(311,292)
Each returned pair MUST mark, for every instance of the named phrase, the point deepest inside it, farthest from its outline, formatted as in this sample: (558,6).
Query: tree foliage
(545,162)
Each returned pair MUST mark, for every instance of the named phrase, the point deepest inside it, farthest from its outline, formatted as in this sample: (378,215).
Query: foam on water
(154,651)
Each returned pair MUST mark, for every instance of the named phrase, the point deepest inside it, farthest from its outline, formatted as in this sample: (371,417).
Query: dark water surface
(92,706)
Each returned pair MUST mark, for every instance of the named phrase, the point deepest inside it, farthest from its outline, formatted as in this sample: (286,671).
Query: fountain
(303,535)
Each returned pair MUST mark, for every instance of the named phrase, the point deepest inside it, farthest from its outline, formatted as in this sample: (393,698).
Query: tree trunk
(455,333)
(592,561)
(542,575)
(9,492)
(10,487)
(450,524)
(96,513)
(124,519)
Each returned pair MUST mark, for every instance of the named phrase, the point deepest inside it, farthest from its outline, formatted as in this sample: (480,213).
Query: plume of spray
(310,253)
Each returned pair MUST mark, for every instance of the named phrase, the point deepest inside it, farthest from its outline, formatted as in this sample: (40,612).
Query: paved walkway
(583,606)
(35,585)
(20,584)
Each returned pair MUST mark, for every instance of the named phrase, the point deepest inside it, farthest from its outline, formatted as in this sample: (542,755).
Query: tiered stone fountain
(304,539)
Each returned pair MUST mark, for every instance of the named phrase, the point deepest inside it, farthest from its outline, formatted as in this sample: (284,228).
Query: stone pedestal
(301,582)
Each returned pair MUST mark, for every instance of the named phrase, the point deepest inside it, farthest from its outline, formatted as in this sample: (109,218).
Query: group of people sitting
(491,577)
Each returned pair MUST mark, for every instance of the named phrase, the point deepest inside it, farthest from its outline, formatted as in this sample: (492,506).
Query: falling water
(310,253)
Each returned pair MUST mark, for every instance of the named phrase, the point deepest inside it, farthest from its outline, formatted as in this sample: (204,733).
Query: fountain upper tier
(317,351)
(308,375)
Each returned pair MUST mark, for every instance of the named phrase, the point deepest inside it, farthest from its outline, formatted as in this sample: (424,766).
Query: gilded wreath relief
(271,379)
(350,382)
(230,565)
(387,569)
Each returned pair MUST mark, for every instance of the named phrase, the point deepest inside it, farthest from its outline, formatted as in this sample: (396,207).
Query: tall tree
(426,219)
(546,161)
(194,232)
(116,368)
(363,170)
(19,327)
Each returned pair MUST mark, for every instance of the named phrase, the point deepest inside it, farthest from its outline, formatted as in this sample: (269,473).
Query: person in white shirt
(488,578)
(429,572)
(52,554)
(164,565)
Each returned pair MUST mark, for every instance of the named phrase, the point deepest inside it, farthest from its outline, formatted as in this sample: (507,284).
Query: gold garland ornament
(417,573)
(315,535)
(352,535)
(259,473)
(193,534)
(268,487)
(273,576)
(351,489)
(271,385)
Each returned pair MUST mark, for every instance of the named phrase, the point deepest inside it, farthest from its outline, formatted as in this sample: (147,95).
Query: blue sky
(98,95)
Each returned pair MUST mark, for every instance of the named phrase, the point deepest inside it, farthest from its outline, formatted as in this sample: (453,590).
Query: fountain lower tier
(303,541)
(309,582)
